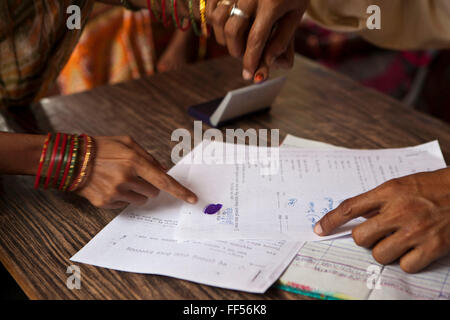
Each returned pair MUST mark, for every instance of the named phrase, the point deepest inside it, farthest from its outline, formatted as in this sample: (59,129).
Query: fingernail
(318,229)
(259,77)
(192,200)
(246,75)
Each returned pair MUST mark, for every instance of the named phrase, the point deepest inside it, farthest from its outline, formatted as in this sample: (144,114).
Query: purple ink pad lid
(212,208)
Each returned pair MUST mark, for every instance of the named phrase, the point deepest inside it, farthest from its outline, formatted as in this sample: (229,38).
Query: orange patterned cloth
(34,46)
(116,45)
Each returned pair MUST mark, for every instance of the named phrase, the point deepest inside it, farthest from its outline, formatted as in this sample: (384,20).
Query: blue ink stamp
(292,202)
(226,217)
(212,208)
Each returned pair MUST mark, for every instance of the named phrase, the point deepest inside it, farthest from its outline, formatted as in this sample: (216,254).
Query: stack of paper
(142,240)
(286,203)
(339,269)
(263,222)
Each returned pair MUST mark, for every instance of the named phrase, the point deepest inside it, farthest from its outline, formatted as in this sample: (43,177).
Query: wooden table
(40,231)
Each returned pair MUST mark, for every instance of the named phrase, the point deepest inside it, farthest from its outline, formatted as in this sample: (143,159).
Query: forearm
(20,153)
(431,31)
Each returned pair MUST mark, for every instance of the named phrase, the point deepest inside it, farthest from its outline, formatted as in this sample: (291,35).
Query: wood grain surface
(41,230)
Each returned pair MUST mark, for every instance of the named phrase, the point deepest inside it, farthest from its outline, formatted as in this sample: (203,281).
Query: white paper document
(287,203)
(141,240)
(340,269)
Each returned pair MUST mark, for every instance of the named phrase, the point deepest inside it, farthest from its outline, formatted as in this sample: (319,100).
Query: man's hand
(123,173)
(265,39)
(408,218)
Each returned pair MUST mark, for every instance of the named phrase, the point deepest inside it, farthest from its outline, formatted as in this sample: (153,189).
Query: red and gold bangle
(74,164)
(65,162)
(203,21)
(83,167)
(149,7)
(152,11)
(41,161)
(177,18)
(52,160)
(62,153)
(89,165)
(203,43)
(58,159)
(163,13)
(172,13)
(88,141)
(48,156)
(68,174)
(69,161)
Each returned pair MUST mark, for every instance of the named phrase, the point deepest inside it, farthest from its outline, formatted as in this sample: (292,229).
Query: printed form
(141,240)
(341,269)
(286,204)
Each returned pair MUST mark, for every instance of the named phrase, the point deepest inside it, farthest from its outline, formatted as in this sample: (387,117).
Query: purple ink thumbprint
(212,208)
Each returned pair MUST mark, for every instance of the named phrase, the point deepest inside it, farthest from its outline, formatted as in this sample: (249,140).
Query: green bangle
(73,163)
(48,156)
(64,162)
(174,20)
(192,17)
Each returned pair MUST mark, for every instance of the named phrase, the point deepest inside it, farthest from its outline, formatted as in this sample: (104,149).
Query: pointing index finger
(165,182)
(348,210)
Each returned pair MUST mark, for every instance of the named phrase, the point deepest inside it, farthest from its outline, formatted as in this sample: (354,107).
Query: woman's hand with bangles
(262,31)
(123,173)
